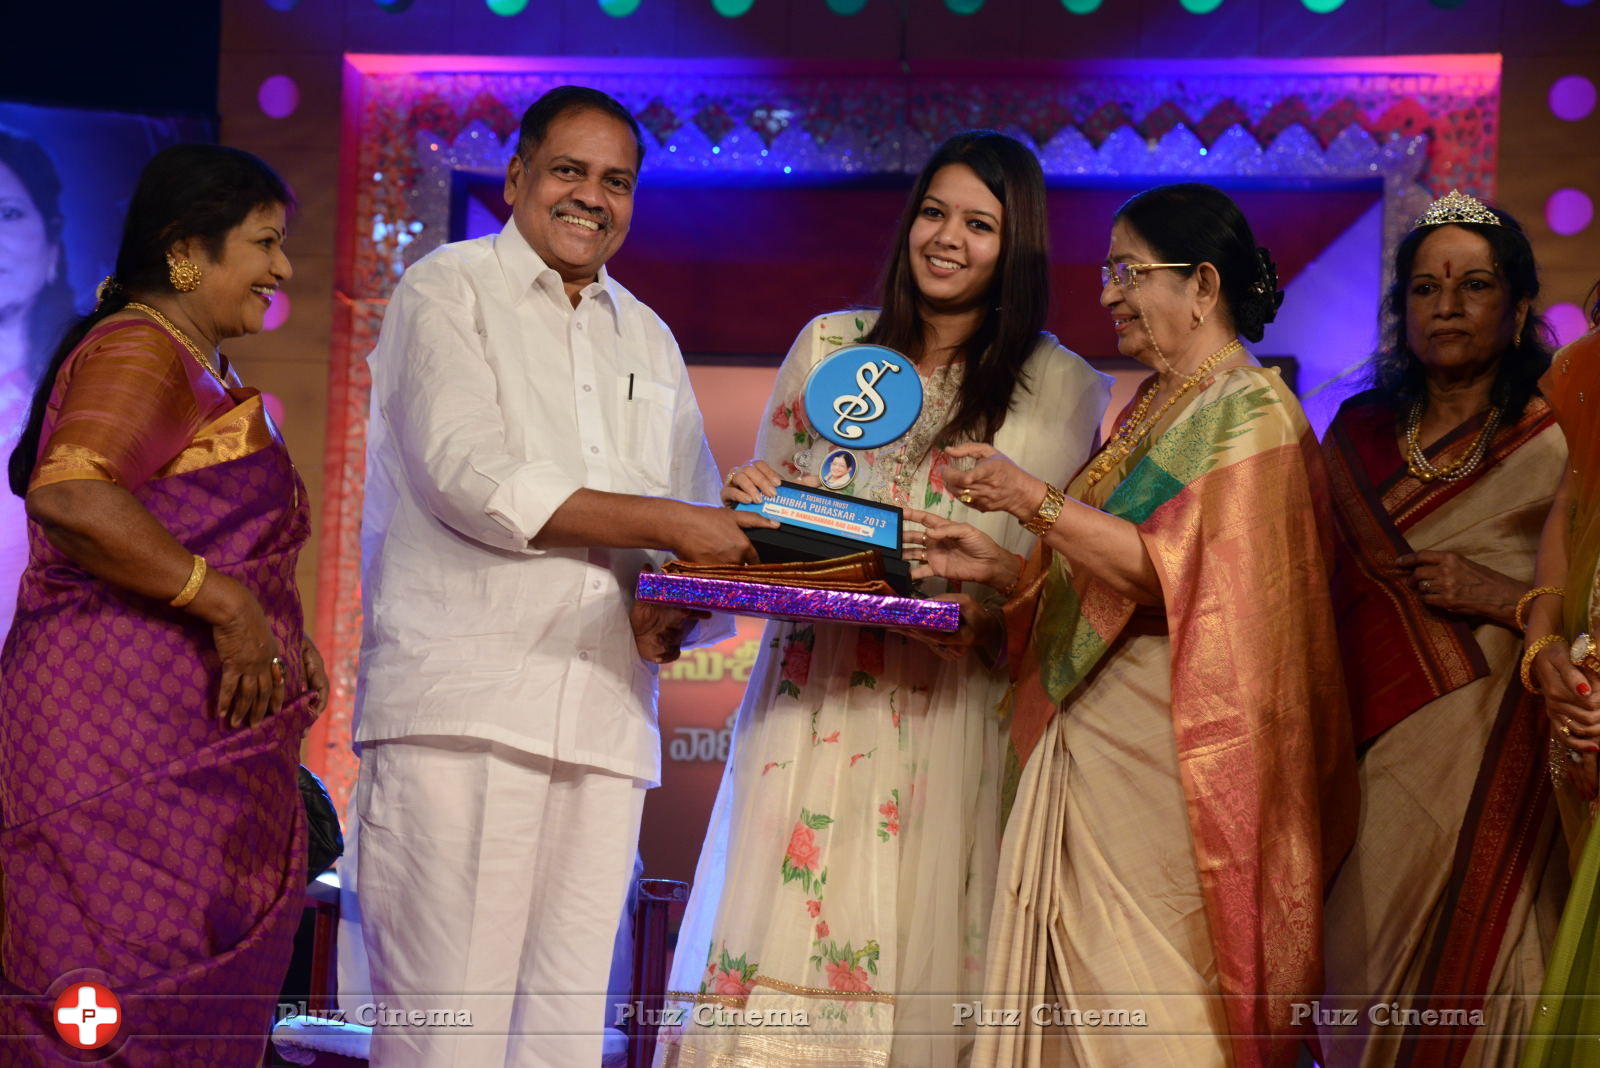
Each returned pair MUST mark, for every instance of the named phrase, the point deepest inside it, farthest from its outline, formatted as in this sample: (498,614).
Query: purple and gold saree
(146,845)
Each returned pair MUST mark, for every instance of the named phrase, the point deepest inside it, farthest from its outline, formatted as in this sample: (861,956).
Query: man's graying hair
(562,99)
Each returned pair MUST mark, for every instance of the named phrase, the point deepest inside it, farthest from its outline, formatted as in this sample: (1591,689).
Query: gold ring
(1566,728)
(1425,586)
(966,498)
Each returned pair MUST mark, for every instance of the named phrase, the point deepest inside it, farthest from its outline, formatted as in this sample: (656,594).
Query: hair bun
(1263,299)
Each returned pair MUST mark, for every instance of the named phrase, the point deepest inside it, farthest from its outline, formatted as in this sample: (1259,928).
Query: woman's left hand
(981,627)
(316,673)
(995,484)
(958,552)
(1453,583)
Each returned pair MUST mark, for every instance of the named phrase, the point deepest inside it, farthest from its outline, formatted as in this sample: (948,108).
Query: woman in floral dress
(843,893)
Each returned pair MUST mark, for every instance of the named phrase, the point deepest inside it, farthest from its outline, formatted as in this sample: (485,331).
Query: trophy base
(789,546)
(797,604)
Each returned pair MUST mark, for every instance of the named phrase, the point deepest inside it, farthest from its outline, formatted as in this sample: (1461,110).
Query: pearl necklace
(1423,469)
(172,328)
(1134,428)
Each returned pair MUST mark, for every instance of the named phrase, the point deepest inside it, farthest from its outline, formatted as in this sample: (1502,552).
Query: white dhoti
(491,881)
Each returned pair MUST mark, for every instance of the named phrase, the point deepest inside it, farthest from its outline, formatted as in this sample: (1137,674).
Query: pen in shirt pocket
(630,385)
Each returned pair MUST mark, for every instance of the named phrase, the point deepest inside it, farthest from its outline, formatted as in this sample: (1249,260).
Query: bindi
(1447,268)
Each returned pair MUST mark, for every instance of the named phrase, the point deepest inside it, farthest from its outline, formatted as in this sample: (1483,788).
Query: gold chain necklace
(1423,469)
(1134,428)
(172,328)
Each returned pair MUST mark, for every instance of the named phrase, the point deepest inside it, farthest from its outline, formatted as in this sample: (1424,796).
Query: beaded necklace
(1424,470)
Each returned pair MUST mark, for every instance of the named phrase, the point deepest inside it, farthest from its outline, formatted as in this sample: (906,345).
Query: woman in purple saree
(157,679)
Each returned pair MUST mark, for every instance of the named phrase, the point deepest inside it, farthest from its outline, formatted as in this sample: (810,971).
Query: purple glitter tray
(789,602)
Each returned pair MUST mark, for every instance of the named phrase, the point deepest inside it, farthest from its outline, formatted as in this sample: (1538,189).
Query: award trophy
(834,557)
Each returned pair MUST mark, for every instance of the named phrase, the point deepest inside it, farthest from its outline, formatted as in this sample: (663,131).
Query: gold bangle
(1022,568)
(1049,511)
(1535,647)
(1528,598)
(197,575)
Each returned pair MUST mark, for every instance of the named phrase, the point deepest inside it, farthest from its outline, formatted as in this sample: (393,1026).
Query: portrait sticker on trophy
(834,556)
(838,469)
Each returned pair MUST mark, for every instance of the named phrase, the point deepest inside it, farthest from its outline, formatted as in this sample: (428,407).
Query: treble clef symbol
(865,406)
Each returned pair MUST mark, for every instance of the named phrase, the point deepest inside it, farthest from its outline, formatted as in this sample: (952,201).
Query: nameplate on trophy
(832,515)
(817,524)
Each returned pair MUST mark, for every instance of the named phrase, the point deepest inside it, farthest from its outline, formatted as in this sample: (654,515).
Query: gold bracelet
(1532,595)
(197,575)
(1049,511)
(1535,647)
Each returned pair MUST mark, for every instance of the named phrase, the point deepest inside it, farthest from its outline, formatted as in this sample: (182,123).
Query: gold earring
(183,274)
(1516,342)
(1199,321)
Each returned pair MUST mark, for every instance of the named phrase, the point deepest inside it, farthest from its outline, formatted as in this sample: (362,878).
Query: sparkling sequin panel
(786,602)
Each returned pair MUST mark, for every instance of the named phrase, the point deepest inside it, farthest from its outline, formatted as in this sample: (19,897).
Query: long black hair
(186,191)
(1398,374)
(1194,223)
(1019,298)
(52,307)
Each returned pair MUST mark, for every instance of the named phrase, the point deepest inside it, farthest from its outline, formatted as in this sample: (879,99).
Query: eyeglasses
(1127,274)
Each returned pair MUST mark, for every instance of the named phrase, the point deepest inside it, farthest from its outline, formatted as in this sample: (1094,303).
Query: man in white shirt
(531,424)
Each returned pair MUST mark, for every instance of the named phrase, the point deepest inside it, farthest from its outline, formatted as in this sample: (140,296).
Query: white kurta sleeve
(695,479)
(437,392)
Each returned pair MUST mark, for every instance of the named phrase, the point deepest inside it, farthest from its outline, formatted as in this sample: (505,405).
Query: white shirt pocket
(646,433)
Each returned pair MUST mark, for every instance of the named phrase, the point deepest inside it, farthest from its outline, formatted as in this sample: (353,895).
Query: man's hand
(659,630)
(707,535)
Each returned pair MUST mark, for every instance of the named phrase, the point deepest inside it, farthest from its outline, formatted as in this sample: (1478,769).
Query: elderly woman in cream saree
(1181,741)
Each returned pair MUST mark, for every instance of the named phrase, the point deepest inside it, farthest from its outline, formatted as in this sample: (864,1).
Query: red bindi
(1447,268)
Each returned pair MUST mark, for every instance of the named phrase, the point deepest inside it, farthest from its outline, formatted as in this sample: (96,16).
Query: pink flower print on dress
(822,929)
(797,661)
(803,852)
(869,651)
(802,860)
(814,908)
(780,417)
(936,468)
(841,976)
(889,826)
(730,983)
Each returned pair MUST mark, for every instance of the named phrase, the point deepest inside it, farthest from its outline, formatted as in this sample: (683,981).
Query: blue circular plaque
(863,397)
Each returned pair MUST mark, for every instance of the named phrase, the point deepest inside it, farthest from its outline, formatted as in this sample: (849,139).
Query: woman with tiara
(1442,475)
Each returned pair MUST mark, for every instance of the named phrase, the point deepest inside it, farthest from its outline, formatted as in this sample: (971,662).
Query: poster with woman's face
(65,180)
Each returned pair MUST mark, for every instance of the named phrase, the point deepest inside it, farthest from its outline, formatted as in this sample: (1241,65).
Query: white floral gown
(842,897)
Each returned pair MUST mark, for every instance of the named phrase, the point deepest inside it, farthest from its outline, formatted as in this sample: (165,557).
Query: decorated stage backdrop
(1332,157)
(66,177)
